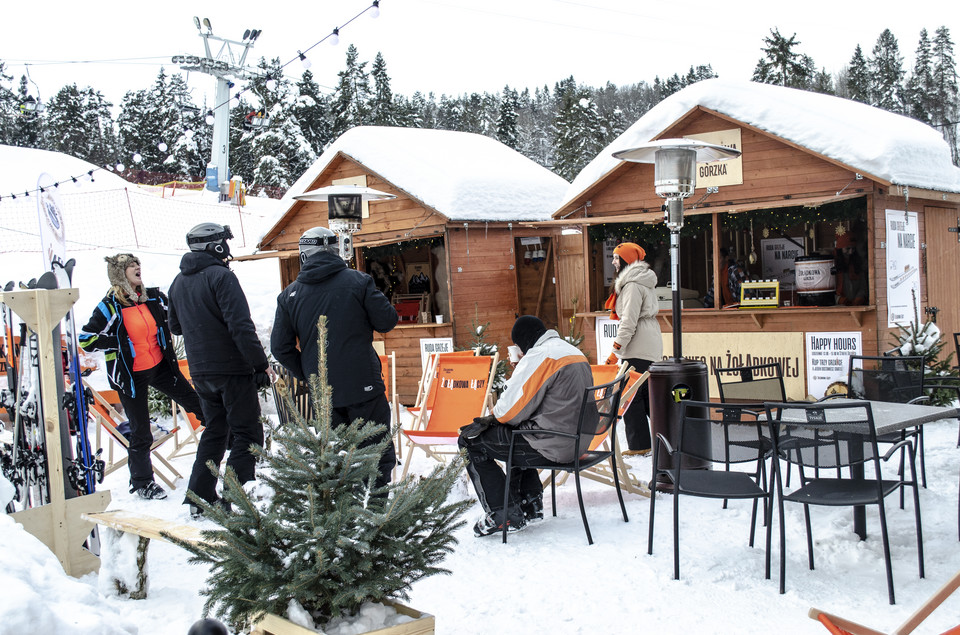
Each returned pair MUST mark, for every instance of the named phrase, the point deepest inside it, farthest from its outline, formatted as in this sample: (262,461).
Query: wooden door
(942,264)
(571,275)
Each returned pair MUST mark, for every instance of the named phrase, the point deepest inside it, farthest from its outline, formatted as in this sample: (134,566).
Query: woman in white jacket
(634,303)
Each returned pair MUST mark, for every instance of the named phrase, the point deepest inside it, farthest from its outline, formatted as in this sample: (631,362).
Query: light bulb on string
(137,157)
(335,37)
(271,83)
(375,10)
(236,99)
(304,60)
(119,167)
(209,118)
(162,147)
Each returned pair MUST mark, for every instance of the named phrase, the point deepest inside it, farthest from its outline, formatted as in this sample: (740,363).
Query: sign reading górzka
(716,173)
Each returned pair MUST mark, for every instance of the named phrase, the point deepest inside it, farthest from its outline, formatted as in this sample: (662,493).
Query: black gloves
(479,425)
(261,379)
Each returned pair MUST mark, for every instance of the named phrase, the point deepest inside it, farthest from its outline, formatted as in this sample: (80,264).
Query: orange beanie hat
(630,252)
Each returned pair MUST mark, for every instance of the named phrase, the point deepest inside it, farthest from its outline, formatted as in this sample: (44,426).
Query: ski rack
(58,524)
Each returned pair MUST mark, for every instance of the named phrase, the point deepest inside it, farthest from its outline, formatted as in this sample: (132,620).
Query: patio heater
(675,178)
(344,210)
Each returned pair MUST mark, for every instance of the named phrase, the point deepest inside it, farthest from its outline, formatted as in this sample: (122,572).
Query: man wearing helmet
(227,362)
(354,308)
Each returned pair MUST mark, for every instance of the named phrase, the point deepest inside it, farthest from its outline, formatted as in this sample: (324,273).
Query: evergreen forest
(561,127)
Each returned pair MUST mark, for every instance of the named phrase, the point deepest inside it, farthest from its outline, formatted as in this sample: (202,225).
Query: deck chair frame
(601,472)
(107,419)
(191,426)
(422,421)
(908,626)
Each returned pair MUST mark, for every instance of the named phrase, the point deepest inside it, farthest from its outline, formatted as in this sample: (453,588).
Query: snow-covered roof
(898,149)
(462,175)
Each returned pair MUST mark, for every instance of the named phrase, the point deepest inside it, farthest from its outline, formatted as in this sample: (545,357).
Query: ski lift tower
(227,64)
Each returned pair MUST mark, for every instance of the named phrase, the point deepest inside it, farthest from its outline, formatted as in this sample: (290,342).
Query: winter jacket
(208,307)
(545,393)
(638,334)
(106,332)
(354,307)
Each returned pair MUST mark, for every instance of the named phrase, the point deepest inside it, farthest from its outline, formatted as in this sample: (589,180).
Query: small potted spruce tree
(312,539)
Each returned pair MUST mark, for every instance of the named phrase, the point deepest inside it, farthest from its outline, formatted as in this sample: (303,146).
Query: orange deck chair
(185,421)
(388,372)
(108,418)
(427,388)
(463,385)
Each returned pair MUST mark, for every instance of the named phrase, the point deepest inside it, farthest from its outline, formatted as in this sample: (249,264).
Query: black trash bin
(672,381)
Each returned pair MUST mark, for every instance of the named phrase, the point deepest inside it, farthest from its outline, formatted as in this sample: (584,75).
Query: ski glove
(261,379)
(478,427)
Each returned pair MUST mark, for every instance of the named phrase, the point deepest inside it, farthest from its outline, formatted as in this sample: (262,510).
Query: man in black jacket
(227,362)
(354,308)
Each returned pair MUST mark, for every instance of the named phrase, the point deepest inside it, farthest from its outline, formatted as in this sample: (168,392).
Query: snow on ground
(546,579)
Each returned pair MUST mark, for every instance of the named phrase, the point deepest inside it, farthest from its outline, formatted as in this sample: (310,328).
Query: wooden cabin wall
(483,283)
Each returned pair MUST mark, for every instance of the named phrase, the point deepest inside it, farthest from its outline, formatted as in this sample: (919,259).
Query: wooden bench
(120,524)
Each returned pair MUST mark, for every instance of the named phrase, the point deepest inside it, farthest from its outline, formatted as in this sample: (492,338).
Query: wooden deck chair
(108,418)
(427,388)
(463,388)
(287,384)
(842,626)
(601,472)
(185,421)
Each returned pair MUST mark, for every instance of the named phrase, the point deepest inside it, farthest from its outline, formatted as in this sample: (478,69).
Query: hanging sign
(715,173)
(903,267)
(431,345)
(606,333)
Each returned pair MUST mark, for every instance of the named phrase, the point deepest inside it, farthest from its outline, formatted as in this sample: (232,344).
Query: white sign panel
(777,256)
(714,173)
(431,345)
(903,266)
(828,358)
(606,333)
(53,239)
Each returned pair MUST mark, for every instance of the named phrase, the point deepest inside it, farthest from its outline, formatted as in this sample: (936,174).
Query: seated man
(544,392)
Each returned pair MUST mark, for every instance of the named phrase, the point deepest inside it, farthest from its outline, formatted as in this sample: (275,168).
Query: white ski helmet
(210,237)
(317,239)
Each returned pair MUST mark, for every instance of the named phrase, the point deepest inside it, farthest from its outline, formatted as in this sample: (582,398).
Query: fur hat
(526,331)
(117,275)
(630,252)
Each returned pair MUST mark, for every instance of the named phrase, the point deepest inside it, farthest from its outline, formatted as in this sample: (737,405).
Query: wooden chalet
(817,174)
(449,250)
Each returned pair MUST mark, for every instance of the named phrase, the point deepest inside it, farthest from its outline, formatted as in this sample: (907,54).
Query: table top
(892,417)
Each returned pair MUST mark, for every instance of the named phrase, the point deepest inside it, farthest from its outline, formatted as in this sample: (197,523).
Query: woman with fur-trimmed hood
(130,326)
(638,342)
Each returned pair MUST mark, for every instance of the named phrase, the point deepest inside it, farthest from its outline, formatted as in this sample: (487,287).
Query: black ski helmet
(207,626)
(210,237)
(315,240)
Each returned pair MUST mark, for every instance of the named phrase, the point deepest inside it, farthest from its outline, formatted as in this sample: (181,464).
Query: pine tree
(534,123)
(927,342)
(312,110)
(576,132)
(858,77)
(919,89)
(886,73)
(314,532)
(80,125)
(945,113)
(782,65)
(382,107)
(480,346)
(351,104)
(508,132)
(9,107)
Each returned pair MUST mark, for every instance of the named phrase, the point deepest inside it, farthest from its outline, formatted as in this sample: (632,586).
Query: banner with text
(903,266)
(828,358)
(714,173)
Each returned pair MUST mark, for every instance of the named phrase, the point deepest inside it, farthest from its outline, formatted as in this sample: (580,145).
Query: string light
(137,157)
(334,38)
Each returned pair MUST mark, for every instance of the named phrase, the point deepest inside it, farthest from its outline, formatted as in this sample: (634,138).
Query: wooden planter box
(422,624)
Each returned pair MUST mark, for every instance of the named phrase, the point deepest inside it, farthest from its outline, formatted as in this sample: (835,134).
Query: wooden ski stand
(58,524)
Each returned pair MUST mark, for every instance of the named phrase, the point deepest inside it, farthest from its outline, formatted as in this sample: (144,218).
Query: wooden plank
(145,526)
(422,624)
